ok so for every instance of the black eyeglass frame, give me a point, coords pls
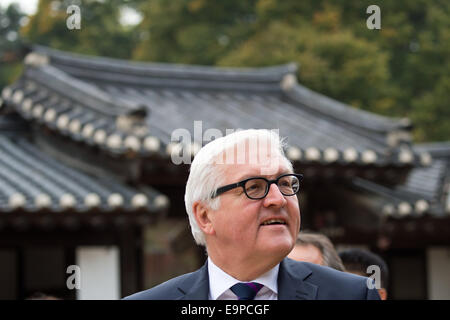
(242, 183)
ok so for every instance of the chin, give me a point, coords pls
(280, 248)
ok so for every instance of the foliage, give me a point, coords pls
(401, 70)
(197, 31)
(101, 32)
(337, 63)
(10, 43)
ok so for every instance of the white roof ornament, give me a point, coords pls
(114, 141)
(426, 159)
(38, 110)
(388, 210)
(88, 130)
(421, 206)
(92, 200)
(100, 136)
(294, 153)
(27, 104)
(369, 156)
(139, 200)
(174, 148)
(62, 122)
(312, 154)
(330, 155)
(115, 200)
(67, 201)
(16, 200)
(395, 138)
(350, 155)
(75, 126)
(194, 148)
(36, 59)
(42, 201)
(405, 121)
(405, 156)
(161, 201)
(289, 81)
(17, 97)
(50, 115)
(132, 143)
(404, 208)
(6, 93)
(151, 143)
(392, 139)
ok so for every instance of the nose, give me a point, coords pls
(274, 197)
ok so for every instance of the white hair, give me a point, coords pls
(206, 174)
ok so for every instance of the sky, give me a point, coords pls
(129, 16)
(27, 6)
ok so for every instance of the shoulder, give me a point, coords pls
(333, 284)
(168, 290)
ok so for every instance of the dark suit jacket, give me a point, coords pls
(296, 281)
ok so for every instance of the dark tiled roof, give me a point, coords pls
(122, 106)
(31, 180)
(426, 190)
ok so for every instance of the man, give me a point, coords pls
(242, 206)
(358, 261)
(316, 248)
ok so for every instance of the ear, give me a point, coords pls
(383, 293)
(202, 216)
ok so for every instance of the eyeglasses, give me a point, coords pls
(258, 188)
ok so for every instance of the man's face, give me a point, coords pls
(239, 232)
(307, 252)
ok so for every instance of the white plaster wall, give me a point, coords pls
(438, 273)
(100, 272)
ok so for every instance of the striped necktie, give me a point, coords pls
(246, 290)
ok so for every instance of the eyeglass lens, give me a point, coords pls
(257, 187)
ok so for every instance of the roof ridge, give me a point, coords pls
(438, 150)
(159, 69)
(340, 111)
(79, 90)
(393, 193)
(431, 146)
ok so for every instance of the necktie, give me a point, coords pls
(246, 290)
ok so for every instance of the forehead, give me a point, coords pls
(244, 160)
(307, 252)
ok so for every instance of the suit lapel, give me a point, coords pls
(291, 281)
(196, 285)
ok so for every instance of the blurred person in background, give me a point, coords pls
(357, 261)
(316, 248)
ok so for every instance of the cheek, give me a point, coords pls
(237, 222)
(294, 211)
(246, 221)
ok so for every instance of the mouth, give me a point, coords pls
(271, 222)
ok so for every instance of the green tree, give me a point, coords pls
(337, 63)
(428, 75)
(400, 70)
(11, 19)
(192, 31)
(101, 32)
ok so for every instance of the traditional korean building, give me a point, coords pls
(140, 123)
(54, 217)
(416, 228)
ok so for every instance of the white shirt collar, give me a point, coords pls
(220, 281)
